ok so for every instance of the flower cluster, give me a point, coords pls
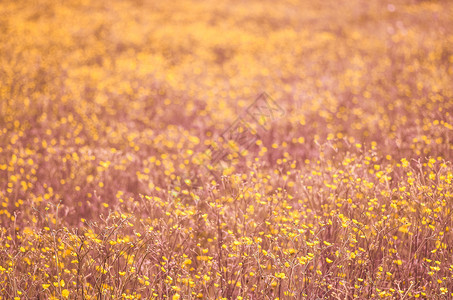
(107, 188)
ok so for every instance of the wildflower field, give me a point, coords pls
(226, 149)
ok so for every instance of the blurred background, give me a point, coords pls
(86, 84)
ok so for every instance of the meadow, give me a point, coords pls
(111, 113)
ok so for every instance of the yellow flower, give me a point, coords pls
(329, 260)
(65, 293)
(187, 262)
(405, 163)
